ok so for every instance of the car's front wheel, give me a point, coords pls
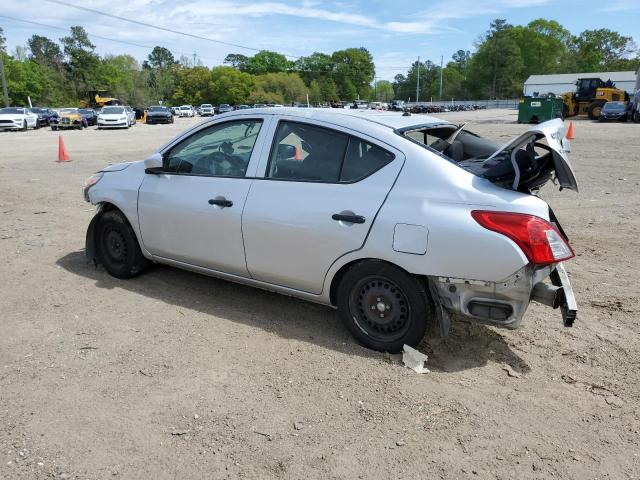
(117, 246)
(383, 306)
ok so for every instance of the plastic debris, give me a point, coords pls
(413, 359)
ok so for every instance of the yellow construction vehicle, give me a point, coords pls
(98, 99)
(590, 95)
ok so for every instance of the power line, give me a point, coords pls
(177, 32)
(89, 34)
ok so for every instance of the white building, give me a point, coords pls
(566, 82)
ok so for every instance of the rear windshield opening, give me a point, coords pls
(454, 142)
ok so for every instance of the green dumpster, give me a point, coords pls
(539, 109)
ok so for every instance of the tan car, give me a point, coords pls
(68, 118)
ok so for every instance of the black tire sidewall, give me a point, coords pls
(134, 262)
(414, 290)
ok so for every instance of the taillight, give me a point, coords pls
(540, 241)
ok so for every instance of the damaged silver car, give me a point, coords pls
(400, 222)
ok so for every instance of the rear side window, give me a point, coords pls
(362, 160)
(303, 152)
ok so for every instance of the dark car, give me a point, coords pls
(613, 111)
(139, 111)
(224, 108)
(44, 115)
(89, 115)
(159, 114)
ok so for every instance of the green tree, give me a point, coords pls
(600, 50)
(160, 58)
(495, 70)
(461, 60)
(543, 46)
(354, 72)
(228, 85)
(192, 86)
(237, 60)
(288, 86)
(266, 61)
(24, 79)
(383, 91)
(45, 52)
(81, 61)
(315, 66)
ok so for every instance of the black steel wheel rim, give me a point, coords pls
(115, 246)
(380, 308)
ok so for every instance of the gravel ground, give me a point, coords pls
(176, 375)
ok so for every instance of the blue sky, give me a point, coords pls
(394, 31)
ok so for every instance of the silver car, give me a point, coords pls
(400, 222)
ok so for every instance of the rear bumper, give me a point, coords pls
(504, 303)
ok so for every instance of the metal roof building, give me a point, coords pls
(566, 82)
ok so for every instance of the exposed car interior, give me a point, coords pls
(524, 167)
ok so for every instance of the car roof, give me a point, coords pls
(349, 117)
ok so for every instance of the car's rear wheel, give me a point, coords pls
(24, 126)
(383, 306)
(117, 246)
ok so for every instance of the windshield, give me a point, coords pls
(613, 106)
(113, 110)
(39, 110)
(86, 111)
(11, 110)
(157, 109)
(185, 108)
(205, 105)
(69, 110)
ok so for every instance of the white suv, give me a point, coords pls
(206, 110)
(186, 111)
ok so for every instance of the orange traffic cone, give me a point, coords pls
(298, 154)
(63, 156)
(569, 134)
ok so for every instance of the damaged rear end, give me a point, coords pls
(524, 165)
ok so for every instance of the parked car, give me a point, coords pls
(206, 110)
(68, 118)
(44, 115)
(224, 108)
(398, 105)
(159, 114)
(17, 118)
(186, 111)
(613, 111)
(139, 111)
(242, 107)
(89, 115)
(131, 115)
(396, 234)
(259, 105)
(113, 116)
(175, 110)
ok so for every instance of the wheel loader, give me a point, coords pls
(590, 95)
(98, 99)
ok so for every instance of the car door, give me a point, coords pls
(321, 190)
(190, 209)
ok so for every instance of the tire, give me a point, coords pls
(636, 116)
(594, 109)
(384, 307)
(25, 127)
(54, 128)
(117, 246)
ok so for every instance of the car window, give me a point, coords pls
(220, 150)
(306, 152)
(362, 159)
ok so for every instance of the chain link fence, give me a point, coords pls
(513, 104)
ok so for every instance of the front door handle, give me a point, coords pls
(221, 202)
(351, 218)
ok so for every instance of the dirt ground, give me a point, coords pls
(174, 375)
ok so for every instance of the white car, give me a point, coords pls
(113, 116)
(186, 111)
(17, 118)
(400, 222)
(131, 114)
(206, 110)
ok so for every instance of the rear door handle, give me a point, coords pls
(351, 218)
(221, 202)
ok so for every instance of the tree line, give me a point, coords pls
(60, 73)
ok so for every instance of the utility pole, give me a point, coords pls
(5, 95)
(418, 83)
(375, 89)
(441, 63)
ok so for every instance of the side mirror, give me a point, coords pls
(153, 162)
(286, 151)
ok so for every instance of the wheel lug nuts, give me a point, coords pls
(382, 315)
(373, 307)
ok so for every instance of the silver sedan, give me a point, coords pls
(400, 222)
